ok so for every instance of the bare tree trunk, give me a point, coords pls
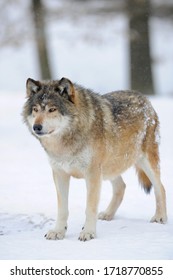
(40, 37)
(140, 60)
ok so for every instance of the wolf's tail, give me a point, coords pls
(144, 180)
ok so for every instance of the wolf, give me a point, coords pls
(95, 137)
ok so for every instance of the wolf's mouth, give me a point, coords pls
(44, 133)
(39, 133)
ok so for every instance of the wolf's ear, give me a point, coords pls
(66, 89)
(32, 86)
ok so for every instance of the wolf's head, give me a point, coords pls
(50, 106)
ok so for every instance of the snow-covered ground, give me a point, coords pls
(28, 200)
(27, 193)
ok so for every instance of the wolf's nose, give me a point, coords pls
(37, 128)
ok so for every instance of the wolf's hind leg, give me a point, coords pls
(151, 169)
(118, 189)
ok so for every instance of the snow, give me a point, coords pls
(27, 192)
(28, 200)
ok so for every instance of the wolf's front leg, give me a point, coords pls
(93, 183)
(61, 180)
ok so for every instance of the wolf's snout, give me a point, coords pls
(37, 128)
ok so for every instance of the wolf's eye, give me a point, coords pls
(51, 110)
(35, 109)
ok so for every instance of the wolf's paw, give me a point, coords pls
(55, 234)
(86, 235)
(105, 216)
(162, 219)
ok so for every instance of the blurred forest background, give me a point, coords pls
(91, 22)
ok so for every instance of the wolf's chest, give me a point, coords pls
(73, 164)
